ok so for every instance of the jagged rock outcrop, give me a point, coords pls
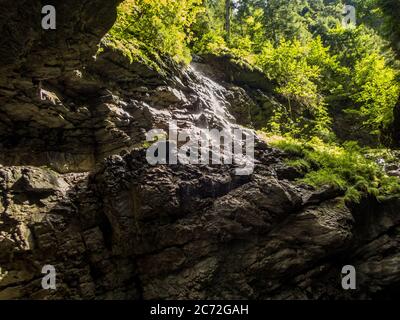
(38, 114)
(133, 231)
(77, 192)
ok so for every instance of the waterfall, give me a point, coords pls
(199, 115)
(212, 95)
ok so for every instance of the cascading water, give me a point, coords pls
(213, 96)
(205, 126)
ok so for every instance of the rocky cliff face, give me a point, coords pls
(77, 192)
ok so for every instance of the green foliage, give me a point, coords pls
(146, 28)
(211, 42)
(344, 167)
(366, 86)
(300, 19)
(301, 71)
(391, 17)
(320, 68)
(378, 92)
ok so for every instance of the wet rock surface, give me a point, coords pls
(77, 192)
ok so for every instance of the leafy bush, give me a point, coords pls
(145, 28)
(301, 71)
(344, 167)
(366, 88)
(379, 91)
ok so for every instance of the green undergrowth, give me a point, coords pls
(345, 167)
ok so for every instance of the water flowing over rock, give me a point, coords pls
(77, 192)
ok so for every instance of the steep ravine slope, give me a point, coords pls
(77, 192)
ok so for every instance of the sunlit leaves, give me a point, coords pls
(343, 167)
(159, 26)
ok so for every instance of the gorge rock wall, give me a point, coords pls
(76, 191)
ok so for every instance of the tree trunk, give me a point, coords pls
(394, 129)
(228, 8)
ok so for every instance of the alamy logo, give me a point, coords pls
(349, 278)
(49, 280)
(49, 20)
(202, 147)
(349, 16)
